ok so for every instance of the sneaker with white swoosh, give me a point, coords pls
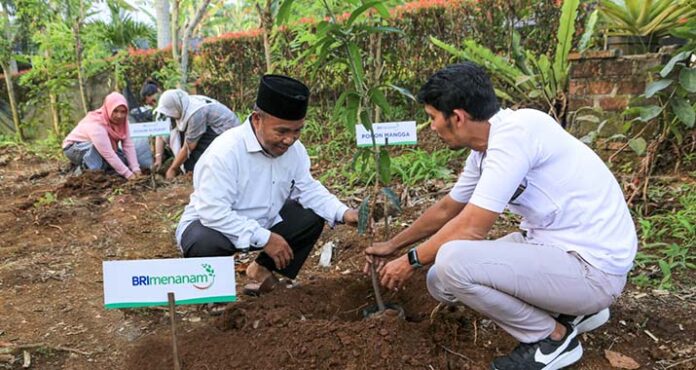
(586, 323)
(546, 354)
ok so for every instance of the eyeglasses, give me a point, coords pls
(520, 189)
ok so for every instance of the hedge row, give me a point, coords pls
(227, 67)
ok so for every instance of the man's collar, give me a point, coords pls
(500, 116)
(250, 140)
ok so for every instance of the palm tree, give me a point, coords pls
(122, 31)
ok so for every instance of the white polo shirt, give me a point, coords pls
(239, 190)
(570, 198)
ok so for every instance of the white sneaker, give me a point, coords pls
(586, 323)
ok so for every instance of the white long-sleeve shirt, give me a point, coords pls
(239, 190)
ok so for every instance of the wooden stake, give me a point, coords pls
(172, 313)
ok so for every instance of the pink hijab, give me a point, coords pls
(117, 131)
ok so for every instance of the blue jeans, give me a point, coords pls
(85, 155)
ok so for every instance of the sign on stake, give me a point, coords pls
(397, 133)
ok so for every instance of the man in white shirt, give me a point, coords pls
(253, 190)
(555, 279)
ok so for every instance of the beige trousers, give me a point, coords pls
(520, 286)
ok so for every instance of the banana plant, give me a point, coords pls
(524, 78)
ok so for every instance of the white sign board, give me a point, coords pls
(397, 133)
(147, 129)
(140, 283)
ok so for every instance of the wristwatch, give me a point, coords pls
(413, 258)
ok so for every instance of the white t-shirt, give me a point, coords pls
(564, 192)
(239, 190)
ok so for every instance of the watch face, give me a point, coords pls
(413, 258)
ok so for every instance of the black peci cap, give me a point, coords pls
(283, 97)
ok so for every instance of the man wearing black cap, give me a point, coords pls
(253, 190)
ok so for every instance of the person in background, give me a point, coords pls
(150, 92)
(102, 141)
(198, 121)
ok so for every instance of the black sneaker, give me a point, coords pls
(546, 354)
(583, 324)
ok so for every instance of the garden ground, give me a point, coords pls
(57, 229)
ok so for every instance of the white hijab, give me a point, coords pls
(181, 106)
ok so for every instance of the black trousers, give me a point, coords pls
(300, 227)
(203, 143)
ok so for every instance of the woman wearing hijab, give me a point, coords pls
(94, 143)
(199, 120)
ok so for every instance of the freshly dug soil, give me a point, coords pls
(57, 229)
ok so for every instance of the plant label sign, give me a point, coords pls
(147, 129)
(141, 283)
(397, 133)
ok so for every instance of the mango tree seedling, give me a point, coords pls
(336, 44)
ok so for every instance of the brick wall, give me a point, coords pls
(606, 80)
(602, 84)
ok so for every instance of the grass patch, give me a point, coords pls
(667, 238)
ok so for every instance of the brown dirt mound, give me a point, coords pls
(89, 182)
(317, 326)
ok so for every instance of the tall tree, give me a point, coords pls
(195, 12)
(188, 32)
(164, 37)
(75, 16)
(6, 60)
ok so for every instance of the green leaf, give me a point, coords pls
(665, 268)
(284, 12)
(377, 97)
(589, 31)
(382, 29)
(683, 110)
(403, 91)
(687, 78)
(356, 63)
(645, 113)
(522, 79)
(384, 166)
(356, 157)
(382, 10)
(358, 12)
(655, 87)
(392, 198)
(672, 62)
(363, 214)
(351, 114)
(566, 29)
(366, 121)
(638, 145)
(447, 47)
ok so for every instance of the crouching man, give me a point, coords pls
(558, 277)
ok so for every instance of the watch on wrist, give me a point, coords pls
(413, 258)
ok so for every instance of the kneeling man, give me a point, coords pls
(252, 189)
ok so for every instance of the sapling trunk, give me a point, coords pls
(375, 191)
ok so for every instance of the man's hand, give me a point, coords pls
(377, 254)
(350, 217)
(171, 173)
(279, 250)
(395, 273)
(158, 163)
